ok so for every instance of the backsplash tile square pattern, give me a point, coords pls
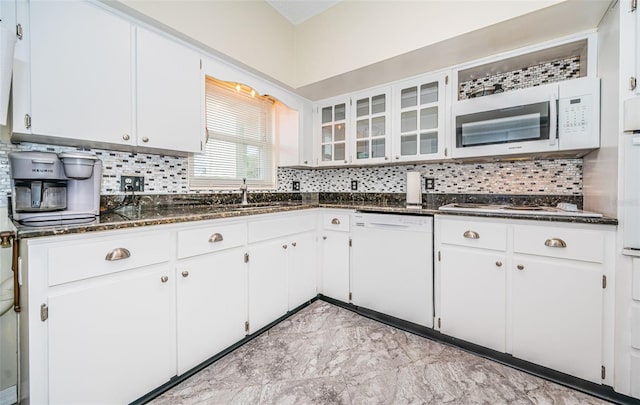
(555, 71)
(168, 175)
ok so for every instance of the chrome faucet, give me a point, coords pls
(243, 188)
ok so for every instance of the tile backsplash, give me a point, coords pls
(168, 175)
(561, 176)
(549, 72)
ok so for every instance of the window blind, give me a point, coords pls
(240, 145)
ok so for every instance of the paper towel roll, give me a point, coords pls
(414, 189)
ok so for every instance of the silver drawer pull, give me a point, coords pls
(185, 274)
(499, 263)
(216, 237)
(164, 279)
(520, 267)
(117, 254)
(335, 221)
(555, 242)
(471, 235)
(294, 244)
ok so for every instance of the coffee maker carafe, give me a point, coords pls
(48, 188)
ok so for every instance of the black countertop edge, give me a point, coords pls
(149, 217)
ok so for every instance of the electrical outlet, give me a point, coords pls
(131, 183)
(296, 185)
(354, 185)
(429, 183)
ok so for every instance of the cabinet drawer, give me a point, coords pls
(336, 222)
(282, 225)
(474, 234)
(79, 260)
(566, 243)
(212, 238)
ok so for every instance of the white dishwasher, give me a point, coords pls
(392, 265)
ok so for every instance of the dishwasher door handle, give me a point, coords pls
(383, 225)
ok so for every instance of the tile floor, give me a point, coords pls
(325, 354)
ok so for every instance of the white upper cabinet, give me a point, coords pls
(332, 119)
(371, 124)
(170, 94)
(79, 71)
(419, 119)
(85, 76)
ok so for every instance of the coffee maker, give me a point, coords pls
(50, 189)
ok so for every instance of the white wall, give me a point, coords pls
(251, 32)
(354, 34)
(348, 36)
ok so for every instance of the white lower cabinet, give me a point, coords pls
(473, 295)
(268, 298)
(111, 339)
(212, 298)
(280, 250)
(557, 315)
(301, 269)
(334, 246)
(538, 292)
(334, 251)
(110, 316)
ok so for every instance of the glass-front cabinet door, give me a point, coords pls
(419, 119)
(370, 114)
(332, 122)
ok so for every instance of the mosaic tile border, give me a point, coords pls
(549, 72)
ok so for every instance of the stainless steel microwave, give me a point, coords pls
(562, 116)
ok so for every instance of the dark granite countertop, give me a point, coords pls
(140, 216)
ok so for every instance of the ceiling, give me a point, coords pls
(298, 11)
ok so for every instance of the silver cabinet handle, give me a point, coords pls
(126, 137)
(324, 238)
(185, 274)
(294, 244)
(216, 237)
(117, 254)
(335, 221)
(145, 139)
(555, 242)
(164, 279)
(397, 157)
(284, 246)
(499, 263)
(520, 267)
(471, 235)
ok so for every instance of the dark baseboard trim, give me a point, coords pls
(600, 391)
(182, 377)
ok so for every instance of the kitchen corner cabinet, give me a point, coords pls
(277, 280)
(335, 255)
(535, 291)
(419, 119)
(76, 77)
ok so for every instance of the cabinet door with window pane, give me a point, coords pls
(371, 121)
(419, 119)
(332, 119)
